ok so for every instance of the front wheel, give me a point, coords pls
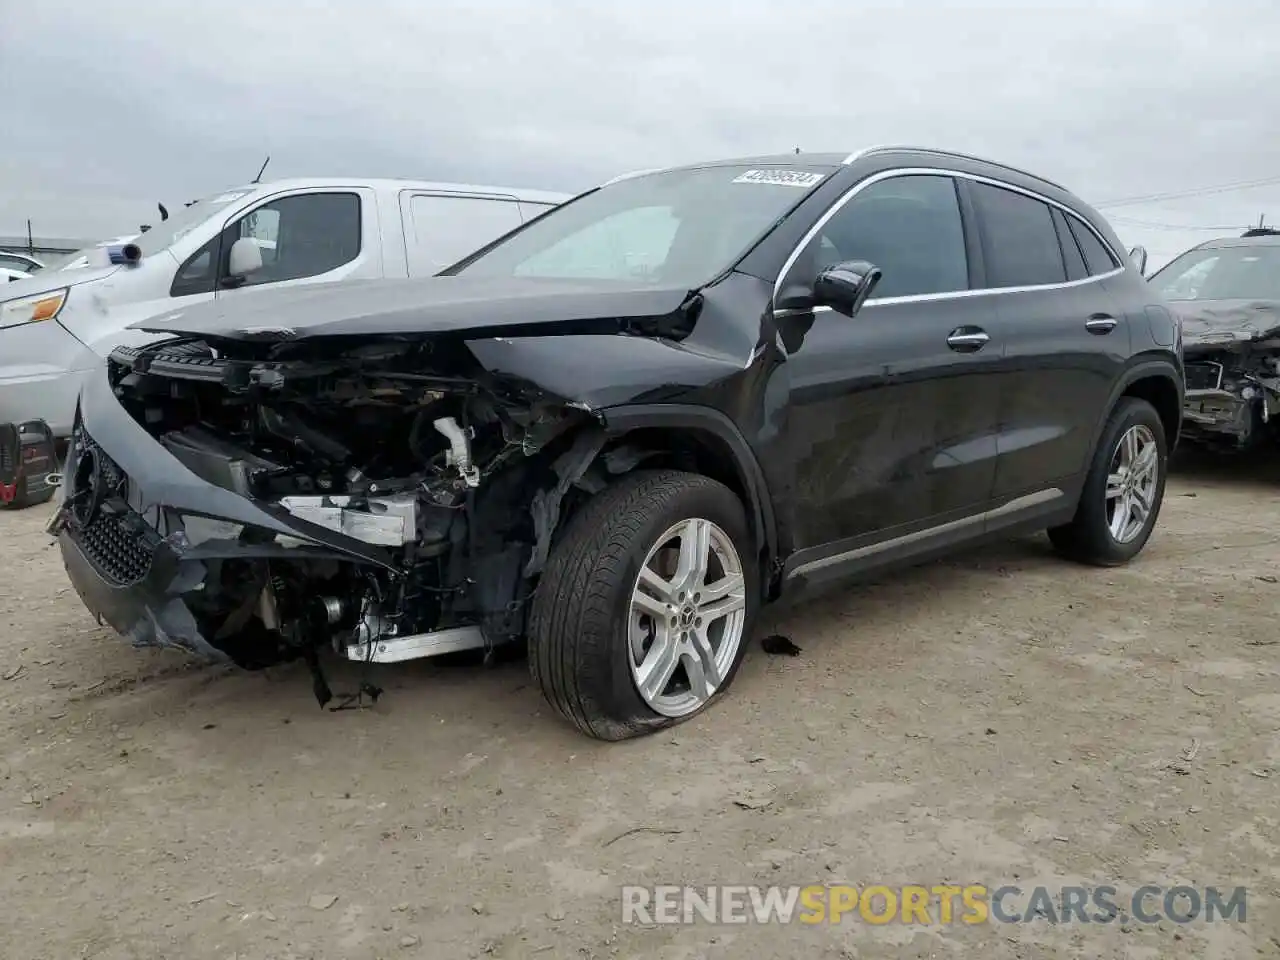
(1123, 490)
(641, 615)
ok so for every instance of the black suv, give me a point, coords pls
(1226, 292)
(622, 428)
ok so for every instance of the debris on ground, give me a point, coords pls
(1182, 766)
(322, 901)
(12, 674)
(777, 645)
(664, 831)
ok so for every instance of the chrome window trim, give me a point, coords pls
(955, 294)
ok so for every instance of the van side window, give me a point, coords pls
(300, 236)
(908, 226)
(442, 230)
(1019, 244)
(1096, 255)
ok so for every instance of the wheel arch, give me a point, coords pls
(1159, 383)
(718, 449)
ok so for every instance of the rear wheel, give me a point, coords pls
(642, 613)
(1123, 490)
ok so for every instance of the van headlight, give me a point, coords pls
(42, 306)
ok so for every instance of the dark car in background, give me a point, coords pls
(1227, 295)
(621, 429)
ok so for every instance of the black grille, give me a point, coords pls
(1204, 376)
(116, 538)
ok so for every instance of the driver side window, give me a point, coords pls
(908, 226)
(299, 236)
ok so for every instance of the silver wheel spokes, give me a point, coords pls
(1131, 483)
(688, 610)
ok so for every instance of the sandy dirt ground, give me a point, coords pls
(999, 718)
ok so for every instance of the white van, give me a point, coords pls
(56, 325)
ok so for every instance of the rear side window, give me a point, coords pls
(1019, 242)
(442, 230)
(1096, 256)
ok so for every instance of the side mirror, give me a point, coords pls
(1138, 257)
(844, 287)
(245, 258)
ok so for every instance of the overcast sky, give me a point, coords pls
(107, 109)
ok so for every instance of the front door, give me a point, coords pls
(893, 413)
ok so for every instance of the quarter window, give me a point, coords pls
(909, 227)
(1020, 246)
(1096, 256)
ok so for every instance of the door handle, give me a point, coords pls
(967, 339)
(1100, 323)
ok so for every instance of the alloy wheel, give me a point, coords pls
(687, 615)
(1132, 481)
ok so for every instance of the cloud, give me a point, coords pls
(118, 109)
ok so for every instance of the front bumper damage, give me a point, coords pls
(1227, 405)
(142, 538)
(1232, 361)
(138, 538)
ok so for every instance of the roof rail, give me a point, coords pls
(953, 154)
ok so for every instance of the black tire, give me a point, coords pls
(1087, 538)
(579, 653)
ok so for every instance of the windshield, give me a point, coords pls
(1222, 273)
(677, 228)
(183, 220)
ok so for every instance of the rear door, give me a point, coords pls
(1065, 342)
(442, 228)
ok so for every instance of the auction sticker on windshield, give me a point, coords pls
(780, 178)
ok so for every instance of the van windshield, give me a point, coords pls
(676, 228)
(183, 220)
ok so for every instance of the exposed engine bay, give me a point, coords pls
(1232, 358)
(424, 501)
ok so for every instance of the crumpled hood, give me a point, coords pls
(1225, 322)
(460, 305)
(47, 280)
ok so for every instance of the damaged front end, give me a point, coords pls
(255, 502)
(1232, 358)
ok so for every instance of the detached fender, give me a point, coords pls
(1151, 367)
(697, 419)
